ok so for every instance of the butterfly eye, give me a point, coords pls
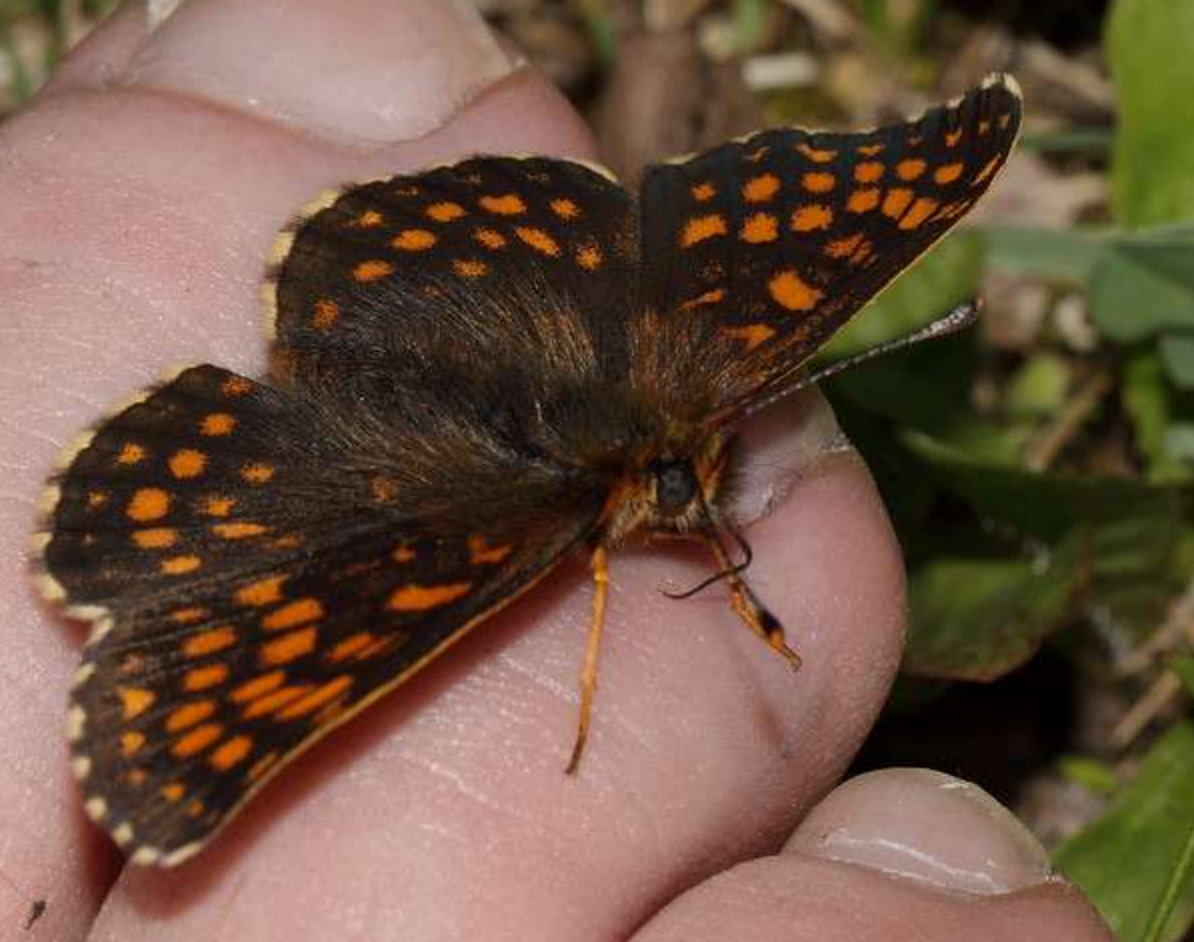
(675, 486)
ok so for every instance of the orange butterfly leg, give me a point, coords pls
(750, 609)
(588, 677)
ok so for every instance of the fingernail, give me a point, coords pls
(777, 447)
(928, 827)
(370, 71)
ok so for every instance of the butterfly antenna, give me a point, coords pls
(959, 318)
(729, 572)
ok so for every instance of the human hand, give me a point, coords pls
(141, 193)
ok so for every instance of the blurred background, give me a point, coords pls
(1039, 467)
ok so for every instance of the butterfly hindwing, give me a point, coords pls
(237, 618)
(760, 249)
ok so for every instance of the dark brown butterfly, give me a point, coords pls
(476, 371)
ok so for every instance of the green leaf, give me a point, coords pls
(1063, 255)
(1149, 402)
(1149, 45)
(977, 619)
(1033, 551)
(1143, 285)
(1149, 824)
(1177, 353)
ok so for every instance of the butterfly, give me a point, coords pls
(476, 371)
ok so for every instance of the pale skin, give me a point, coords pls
(139, 196)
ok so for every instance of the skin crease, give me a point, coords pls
(135, 220)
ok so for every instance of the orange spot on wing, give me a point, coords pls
(216, 424)
(173, 792)
(481, 552)
(565, 208)
(987, 170)
(816, 154)
(589, 257)
(209, 642)
(327, 312)
(952, 137)
(262, 706)
(703, 192)
(761, 227)
(316, 698)
(508, 205)
(490, 238)
(188, 616)
(948, 173)
(258, 687)
(403, 554)
(257, 473)
(761, 188)
(230, 753)
(370, 219)
(187, 463)
(298, 612)
(818, 182)
(155, 538)
(445, 211)
(869, 150)
(288, 647)
(351, 645)
(701, 228)
(200, 678)
(921, 210)
(752, 335)
(134, 701)
(792, 292)
(188, 715)
(217, 506)
(96, 499)
(539, 240)
(262, 592)
(131, 453)
(841, 248)
(372, 270)
(863, 201)
(910, 169)
(709, 297)
(469, 268)
(148, 503)
(419, 598)
(414, 240)
(235, 386)
(239, 530)
(196, 741)
(131, 743)
(812, 216)
(896, 201)
(180, 565)
(869, 171)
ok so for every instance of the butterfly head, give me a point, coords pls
(671, 491)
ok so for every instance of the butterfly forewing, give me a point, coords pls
(487, 252)
(236, 620)
(758, 250)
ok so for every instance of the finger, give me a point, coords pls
(903, 853)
